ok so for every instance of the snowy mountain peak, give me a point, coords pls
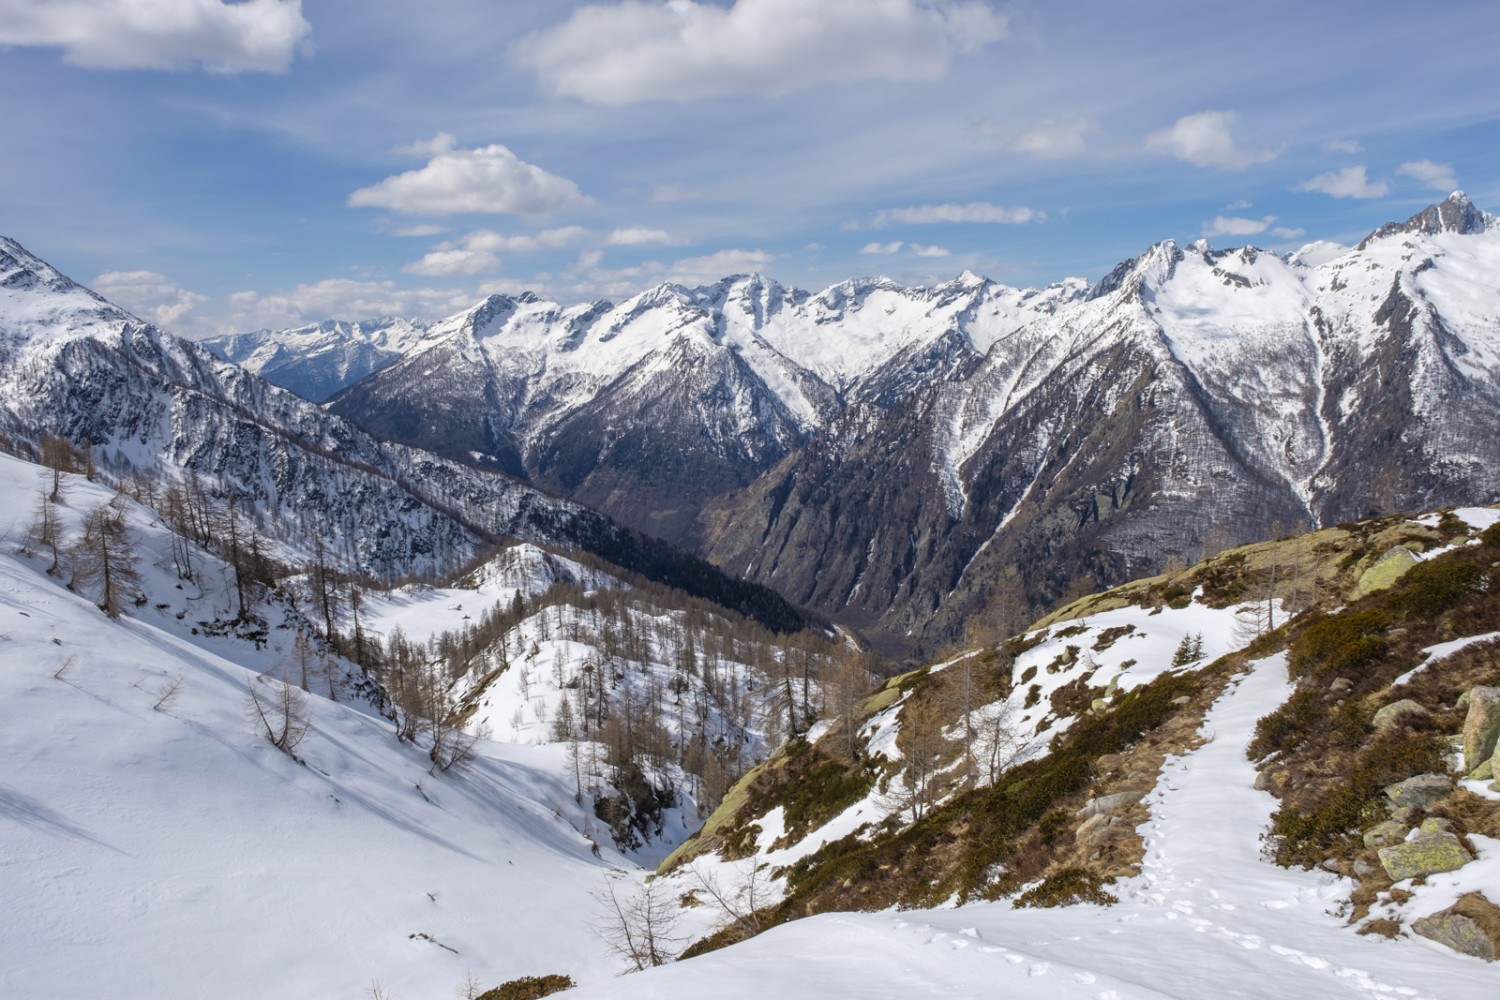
(1454, 214)
(37, 300)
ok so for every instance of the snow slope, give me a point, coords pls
(1207, 917)
(161, 848)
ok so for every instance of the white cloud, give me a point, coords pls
(489, 241)
(1236, 226)
(1053, 139)
(339, 298)
(1437, 176)
(1206, 139)
(454, 263)
(684, 50)
(149, 295)
(638, 236)
(977, 211)
(1288, 233)
(417, 231)
(262, 35)
(882, 248)
(1350, 182)
(721, 264)
(490, 179)
(1343, 146)
(929, 251)
(478, 252)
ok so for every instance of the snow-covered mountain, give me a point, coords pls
(318, 360)
(648, 408)
(74, 365)
(883, 453)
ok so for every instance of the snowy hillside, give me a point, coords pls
(1206, 917)
(149, 826)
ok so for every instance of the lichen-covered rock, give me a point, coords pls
(1383, 575)
(1424, 854)
(1481, 726)
(1471, 926)
(1397, 712)
(1419, 792)
(1383, 834)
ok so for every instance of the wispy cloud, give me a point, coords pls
(930, 251)
(1236, 226)
(711, 267)
(487, 180)
(1050, 139)
(638, 236)
(685, 50)
(252, 35)
(1343, 146)
(1206, 139)
(1351, 182)
(882, 248)
(339, 298)
(975, 211)
(1437, 176)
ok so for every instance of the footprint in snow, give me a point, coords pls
(1039, 969)
(1275, 904)
(1086, 978)
(1014, 959)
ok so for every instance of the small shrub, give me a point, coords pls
(1430, 588)
(1323, 639)
(529, 988)
(1069, 886)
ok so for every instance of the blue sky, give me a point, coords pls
(229, 166)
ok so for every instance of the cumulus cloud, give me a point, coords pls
(1288, 233)
(684, 50)
(1050, 139)
(1206, 139)
(882, 248)
(249, 35)
(417, 231)
(977, 211)
(1437, 176)
(1350, 182)
(490, 180)
(929, 251)
(149, 295)
(638, 236)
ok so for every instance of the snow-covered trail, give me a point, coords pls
(1207, 917)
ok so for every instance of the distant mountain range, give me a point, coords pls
(903, 458)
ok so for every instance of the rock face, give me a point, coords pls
(1427, 853)
(1471, 927)
(1392, 714)
(1107, 804)
(1383, 575)
(1481, 727)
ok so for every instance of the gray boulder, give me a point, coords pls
(1393, 714)
(1471, 926)
(1481, 726)
(1425, 854)
(1419, 792)
(1105, 804)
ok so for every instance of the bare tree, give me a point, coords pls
(741, 906)
(279, 711)
(639, 920)
(104, 558)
